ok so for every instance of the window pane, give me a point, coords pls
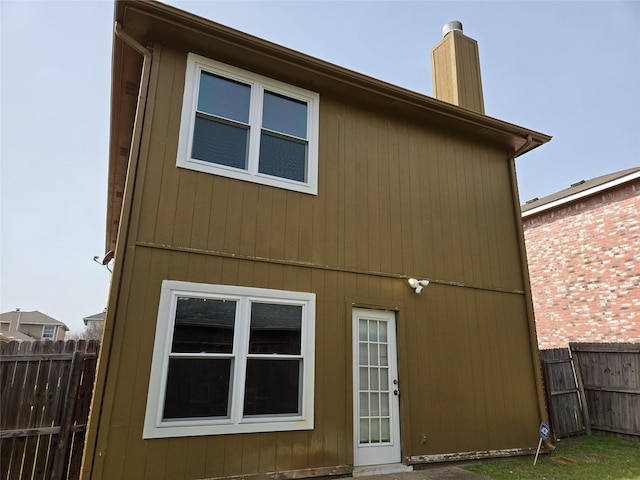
(362, 330)
(275, 328)
(383, 331)
(373, 331)
(373, 354)
(375, 404)
(220, 143)
(364, 378)
(384, 358)
(224, 98)
(272, 387)
(364, 404)
(197, 388)
(284, 115)
(203, 325)
(384, 379)
(282, 158)
(375, 430)
(386, 430)
(364, 354)
(384, 404)
(364, 430)
(373, 375)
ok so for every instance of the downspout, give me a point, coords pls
(533, 338)
(129, 40)
(106, 350)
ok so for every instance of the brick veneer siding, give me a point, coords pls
(584, 264)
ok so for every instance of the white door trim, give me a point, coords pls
(376, 424)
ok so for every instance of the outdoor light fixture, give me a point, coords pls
(418, 285)
(105, 261)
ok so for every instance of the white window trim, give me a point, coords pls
(197, 64)
(156, 427)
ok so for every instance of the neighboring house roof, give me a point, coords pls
(30, 318)
(578, 190)
(98, 317)
(15, 336)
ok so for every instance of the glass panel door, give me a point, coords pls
(374, 382)
(376, 404)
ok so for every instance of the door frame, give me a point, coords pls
(387, 452)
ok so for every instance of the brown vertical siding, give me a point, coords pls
(390, 193)
(461, 376)
(129, 456)
(395, 199)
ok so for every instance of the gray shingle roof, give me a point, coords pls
(579, 187)
(97, 317)
(15, 336)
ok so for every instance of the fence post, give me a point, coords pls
(62, 446)
(548, 394)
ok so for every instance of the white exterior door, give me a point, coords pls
(376, 403)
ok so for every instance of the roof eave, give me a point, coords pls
(573, 197)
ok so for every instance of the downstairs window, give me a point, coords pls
(231, 360)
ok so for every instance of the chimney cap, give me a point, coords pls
(451, 26)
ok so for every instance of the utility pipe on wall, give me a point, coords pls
(535, 356)
(92, 447)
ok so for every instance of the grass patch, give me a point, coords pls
(584, 458)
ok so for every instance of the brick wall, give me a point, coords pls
(584, 263)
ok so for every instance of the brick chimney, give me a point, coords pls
(14, 325)
(455, 65)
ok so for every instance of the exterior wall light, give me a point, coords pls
(418, 285)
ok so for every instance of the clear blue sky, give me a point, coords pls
(568, 69)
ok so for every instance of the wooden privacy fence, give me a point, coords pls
(593, 386)
(610, 377)
(45, 394)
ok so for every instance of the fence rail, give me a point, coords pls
(45, 394)
(593, 386)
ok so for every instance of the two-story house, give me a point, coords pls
(315, 271)
(21, 326)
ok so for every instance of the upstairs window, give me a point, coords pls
(241, 125)
(48, 332)
(231, 360)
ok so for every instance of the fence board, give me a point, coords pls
(41, 386)
(83, 404)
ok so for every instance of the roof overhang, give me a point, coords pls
(591, 188)
(148, 21)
